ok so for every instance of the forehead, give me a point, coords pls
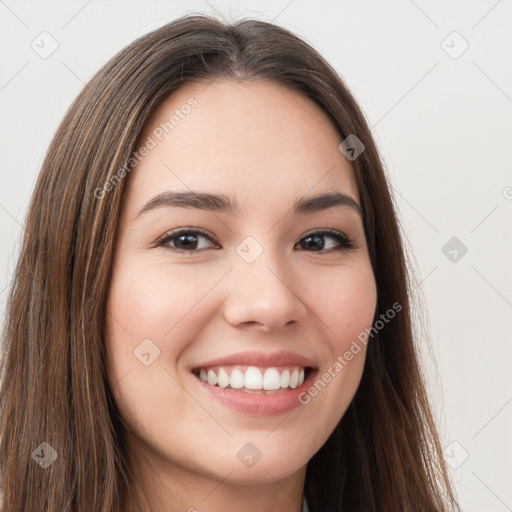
(252, 140)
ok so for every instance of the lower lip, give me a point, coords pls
(258, 404)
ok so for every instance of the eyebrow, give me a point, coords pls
(223, 204)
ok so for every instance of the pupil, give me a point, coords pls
(319, 246)
(190, 240)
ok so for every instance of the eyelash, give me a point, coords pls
(346, 244)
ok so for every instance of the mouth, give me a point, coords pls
(255, 383)
(254, 379)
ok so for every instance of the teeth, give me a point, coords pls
(301, 377)
(285, 379)
(212, 378)
(223, 378)
(294, 378)
(236, 380)
(253, 380)
(271, 379)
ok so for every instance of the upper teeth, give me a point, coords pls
(271, 379)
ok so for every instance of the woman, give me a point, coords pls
(211, 306)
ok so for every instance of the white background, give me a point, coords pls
(443, 126)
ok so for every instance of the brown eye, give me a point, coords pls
(316, 241)
(184, 240)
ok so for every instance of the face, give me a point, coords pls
(218, 334)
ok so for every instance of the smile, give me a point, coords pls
(256, 383)
(254, 379)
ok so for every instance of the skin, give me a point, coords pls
(266, 146)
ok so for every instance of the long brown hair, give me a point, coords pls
(385, 453)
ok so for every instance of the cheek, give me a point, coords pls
(151, 309)
(148, 301)
(345, 301)
(143, 313)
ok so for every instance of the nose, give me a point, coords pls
(262, 293)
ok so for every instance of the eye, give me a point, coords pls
(187, 240)
(315, 240)
(184, 239)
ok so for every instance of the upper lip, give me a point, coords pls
(281, 358)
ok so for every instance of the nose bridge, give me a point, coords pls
(263, 288)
